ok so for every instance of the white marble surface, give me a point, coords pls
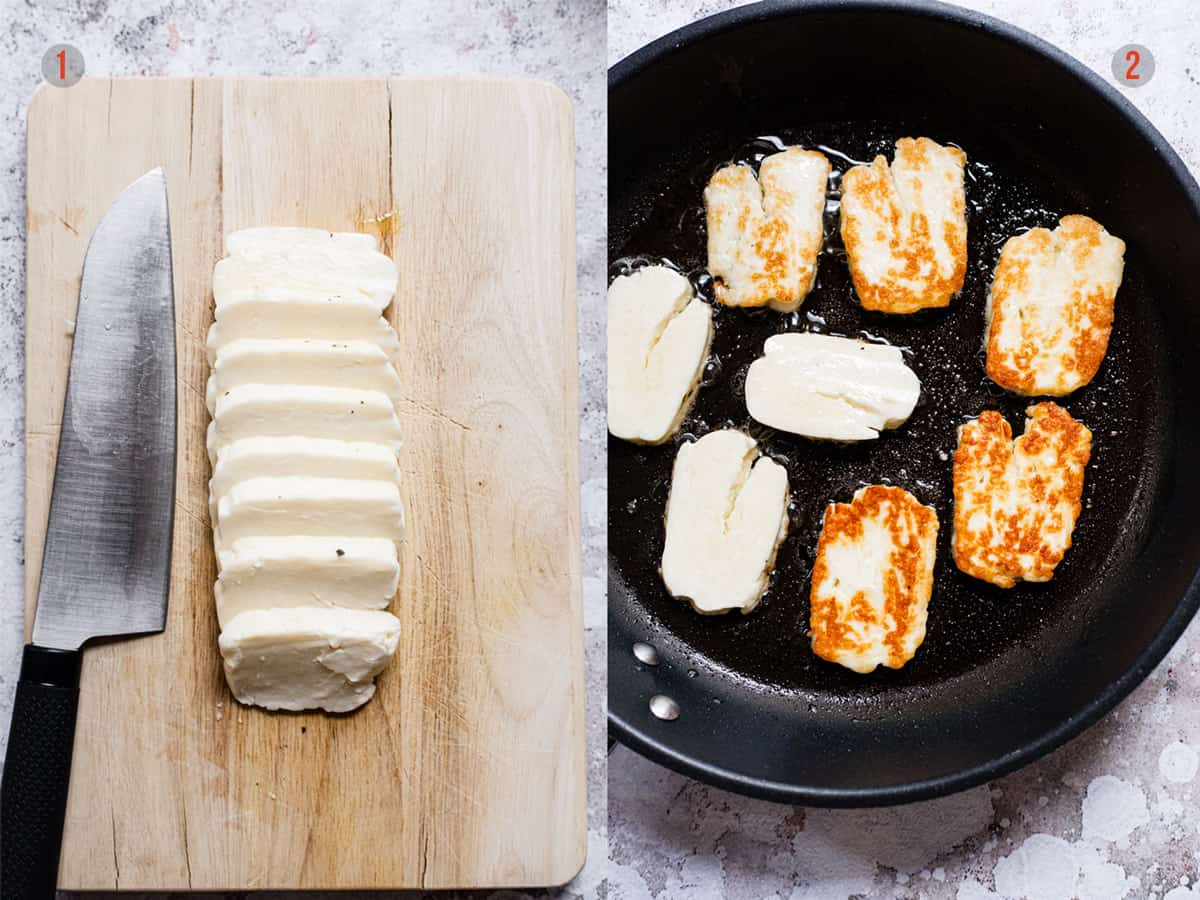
(1111, 815)
(561, 41)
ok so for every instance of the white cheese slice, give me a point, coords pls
(290, 239)
(830, 388)
(280, 283)
(276, 572)
(726, 517)
(329, 507)
(261, 457)
(266, 410)
(307, 657)
(300, 319)
(269, 268)
(658, 339)
(360, 365)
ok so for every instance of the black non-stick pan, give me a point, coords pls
(1003, 676)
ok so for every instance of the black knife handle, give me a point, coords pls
(37, 770)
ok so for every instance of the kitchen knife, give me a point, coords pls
(107, 556)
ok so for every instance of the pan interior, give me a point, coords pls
(999, 670)
(971, 623)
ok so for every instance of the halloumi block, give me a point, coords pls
(1016, 502)
(830, 388)
(726, 517)
(904, 227)
(264, 457)
(304, 496)
(314, 507)
(280, 572)
(277, 410)
(307, 657)
(361, 365)
(659, 333)
(765, 232)
(872, 579)
(1050, 307)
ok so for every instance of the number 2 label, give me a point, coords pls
(1133, 66)
(1133, 58)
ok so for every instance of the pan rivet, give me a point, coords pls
(645, 653)
(663, 707)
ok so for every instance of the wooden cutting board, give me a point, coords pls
(467, 769)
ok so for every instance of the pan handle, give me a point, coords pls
(37, 771)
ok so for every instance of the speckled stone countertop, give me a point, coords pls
(555, 40)
(1111, 815)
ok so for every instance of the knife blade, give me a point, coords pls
(106, 566)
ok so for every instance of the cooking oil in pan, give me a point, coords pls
(971, 624)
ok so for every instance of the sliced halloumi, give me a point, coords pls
(872, 579)
(1050, 307)
(290, 239)
(830, 388)
(268, 267)
(300, 320)
(262, 457)
(277, 572)
(658, 339)
(764, 233)
(304, 496)
(345, 364)
(313, 507)
(266, 410)
(307, 658)
(289, 456)
(726, 517)
(1016, 502)
(904, 227)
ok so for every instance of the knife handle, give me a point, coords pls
(37, 770)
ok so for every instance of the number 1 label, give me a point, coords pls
(62, 65)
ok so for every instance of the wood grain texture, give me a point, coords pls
(467, 769)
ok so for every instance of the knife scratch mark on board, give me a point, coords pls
(181, 325)
(194, 390)
(431, 572)
(67, 225)
(199, 520)
(70, 215)
(435, 413)
(116, 865)
(187, 854)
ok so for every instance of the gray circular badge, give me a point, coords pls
(1133, 65)
(62, 66)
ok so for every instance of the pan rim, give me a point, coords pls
(636, 738)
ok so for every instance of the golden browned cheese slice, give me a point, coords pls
(1016, 502)
(872, 579)
(764, 233)
(905, 227)
(1050, 307)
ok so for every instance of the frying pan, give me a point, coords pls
(1003, 676)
